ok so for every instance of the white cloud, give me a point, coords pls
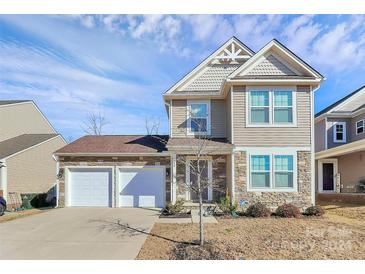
(338, 48)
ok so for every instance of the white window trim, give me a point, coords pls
(188, 107)
(271, 91)
(272, 153)
(363, 126)
(344, 135)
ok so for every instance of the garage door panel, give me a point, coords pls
(90, 187)
(142, 187)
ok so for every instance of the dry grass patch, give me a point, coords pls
(249, 238)
(9, 216)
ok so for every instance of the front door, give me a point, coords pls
(328, 177)
(192, 176)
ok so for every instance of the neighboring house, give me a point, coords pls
(340, 145)
(27, 143)
(255, 108)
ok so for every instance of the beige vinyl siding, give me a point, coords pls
(228, 117)
(320, 135)
(33, 170)
(218, 118)
(272, 136)
(351, 169)
(20, 119)
(178, 118)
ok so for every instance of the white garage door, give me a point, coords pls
(90, 187)
(142, 187)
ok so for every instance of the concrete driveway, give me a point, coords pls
(77, 233)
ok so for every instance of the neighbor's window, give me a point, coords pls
(283, 169)
(283, 107)
(260, 171)
(199, 115)
(260, 107)
(339, 132)
(359, 126)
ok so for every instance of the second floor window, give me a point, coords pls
(339, 132)
(283, 107)
(271, 107)
(198, 117)
(360, 127)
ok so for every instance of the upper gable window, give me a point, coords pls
(339, 132)
(360, 127)
(199, 117)
(271, 107)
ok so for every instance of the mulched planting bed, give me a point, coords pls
(258, 238)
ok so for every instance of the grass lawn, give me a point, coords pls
(339, 234)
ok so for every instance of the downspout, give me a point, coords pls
(3, 179)
(57, 180)
(313, 171)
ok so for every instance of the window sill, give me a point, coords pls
(271, 190)
(272, 125)
(339, 142)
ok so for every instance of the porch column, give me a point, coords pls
(173, 178)
(3, 180)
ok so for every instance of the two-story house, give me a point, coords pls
(340, 145)
(27, 143)
(255, 113)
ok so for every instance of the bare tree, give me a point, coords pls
(200, 153)
(152, 126)
(94, 124)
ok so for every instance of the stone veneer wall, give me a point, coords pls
(112, 161)
(301, 199)
(219, 174)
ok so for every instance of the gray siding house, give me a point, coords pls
(255, 112)
(340, 145)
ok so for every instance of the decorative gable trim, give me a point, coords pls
(274, 44)
(234, 54)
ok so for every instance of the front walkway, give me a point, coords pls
(77, 233)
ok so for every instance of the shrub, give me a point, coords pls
(226, 206)
(314, 211)
(288, 211)
(172, 209)
(258, 210)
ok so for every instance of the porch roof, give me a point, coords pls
(341, 150)
(211, 145)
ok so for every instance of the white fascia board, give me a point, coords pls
(342, 150)
(264, 50)
(206, 61)
(112, 154)
(274, 81)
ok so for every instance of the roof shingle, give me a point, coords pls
(22, 142)
(116, 144)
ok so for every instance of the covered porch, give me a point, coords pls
(341, 169)
(211, 159)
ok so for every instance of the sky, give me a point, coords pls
(120, 65)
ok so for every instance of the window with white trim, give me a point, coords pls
(259, 107)
(260, 171)
(283, 171)
(360, 127)
(272, 172)
(339, 132)
(271, 107)
(283, 107)
(198, 117)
